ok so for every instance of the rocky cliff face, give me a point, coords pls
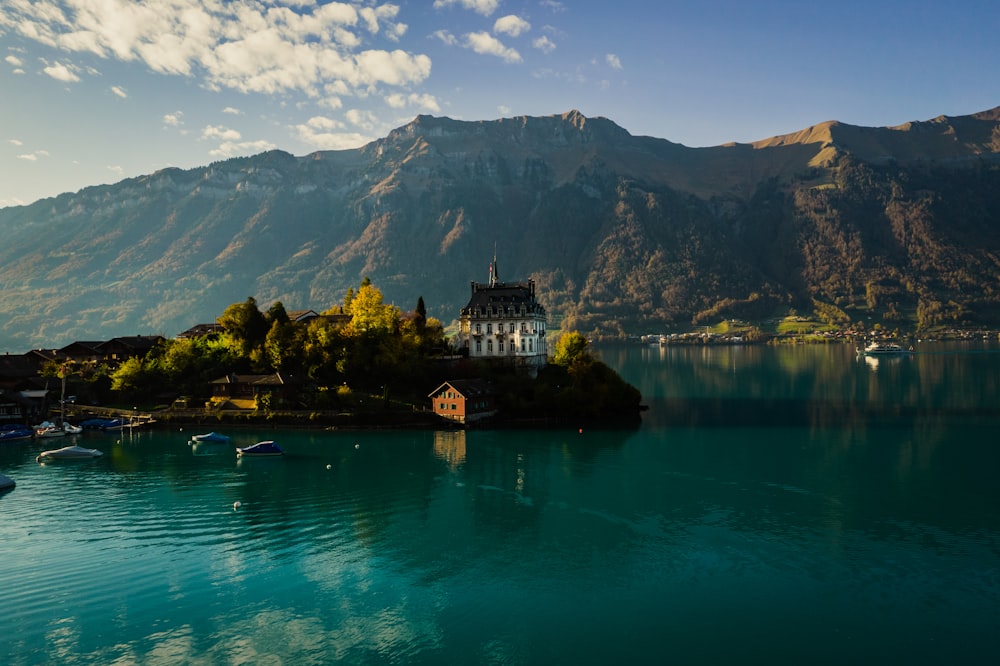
(621, 233)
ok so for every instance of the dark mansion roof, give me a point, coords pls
(502, 298)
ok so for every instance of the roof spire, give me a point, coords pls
(494, 272)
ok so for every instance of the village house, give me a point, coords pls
(244, 391)
(464, 400)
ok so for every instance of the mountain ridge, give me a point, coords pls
(619, 231)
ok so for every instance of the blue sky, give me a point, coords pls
(94, 91)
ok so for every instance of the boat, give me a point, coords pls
(883, 348)
(14, 432)
(210, 438)
(266, 448)
(6, 483)
(47, 429)
(68, 453)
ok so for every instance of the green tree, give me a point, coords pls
(245, 325)
(571, 349)
(276, 313)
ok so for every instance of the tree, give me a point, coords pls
(369, 314)
(571, 349)
(276, 313)
(421, 314)
(245, 325)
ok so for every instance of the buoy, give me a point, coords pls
(329, 466)
(581, 431)
(237, 504)
(357, 446)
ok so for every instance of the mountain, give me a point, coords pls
(622, 233)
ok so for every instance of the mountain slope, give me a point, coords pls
(621, 233)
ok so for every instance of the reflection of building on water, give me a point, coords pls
(449, 446)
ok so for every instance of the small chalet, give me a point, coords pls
(464, 400)
(200, 331)
(243, 389)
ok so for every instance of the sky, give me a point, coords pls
(96, 91)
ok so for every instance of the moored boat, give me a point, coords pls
(210, 438)
(14, 432)
(68, 453)
(6, 483)
(261, 449)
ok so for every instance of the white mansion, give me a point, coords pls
(504, 322)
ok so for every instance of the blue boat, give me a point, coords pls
(13, 432)
(261, 449)
(211, 438)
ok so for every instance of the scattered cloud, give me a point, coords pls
(511, 25)
(613, 60)
(486, 44)
(14, 61)
(231, 111)
(504, 110)
(234, 148)
(117, 171)
(322, 132)
(61, 72)
(119, 91)
(249, 46)
(366, 120)
(175, 119)
(15, 142)
(220, 133)
(445, 37)
(484, 7)
(544, 44)
(32, 157)
(421, 102)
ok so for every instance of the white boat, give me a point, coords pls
(47, 429)
(883, 348)
(68, 453)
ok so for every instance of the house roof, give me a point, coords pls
(134, 342)
(503, 295)
(274, 379)
(467, 388)
(199, 330)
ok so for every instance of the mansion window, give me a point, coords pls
(511, 327)
(489, 328)
(479, 328)
(489, 346)
(500, 346)
(479, 346)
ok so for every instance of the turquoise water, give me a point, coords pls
(792, 505)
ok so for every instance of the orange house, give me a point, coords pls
(464, 400)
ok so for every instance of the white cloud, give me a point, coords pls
(117, 171)
(30, 157)
(613, 60)
(322, 133)
(233, 148)
(61, 72)
(486, 44)
(544, 44)
(119, 91)
(366, 120)
(219, 132)
(254, 46)
(504, 110)
(446, 37)
(231, 111)
(422, 102)
(14, 61)
(484, 7)
(15, 142)
(175, 119)
(511, 25)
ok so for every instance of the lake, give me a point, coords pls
(777, 505)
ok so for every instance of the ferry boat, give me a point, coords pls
(883, 348)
